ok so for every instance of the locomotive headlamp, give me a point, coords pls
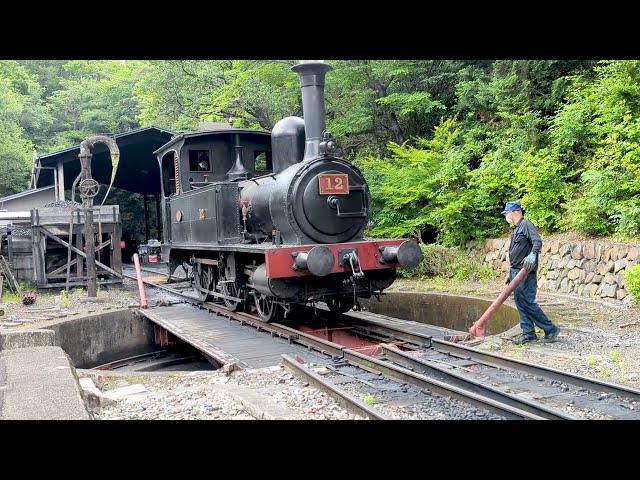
(327, 145)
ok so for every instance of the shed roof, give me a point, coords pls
(138, 169)
(222, 131)
(24, 194)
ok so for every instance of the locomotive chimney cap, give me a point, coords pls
(313, 67)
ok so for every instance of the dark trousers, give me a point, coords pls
(530, 311)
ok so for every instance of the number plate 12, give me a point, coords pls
(333, 184)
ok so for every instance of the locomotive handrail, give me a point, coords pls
(335, 201)
(361, 213)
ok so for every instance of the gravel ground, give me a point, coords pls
(600, 339)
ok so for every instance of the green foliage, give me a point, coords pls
(255, 93)
(442, 143)
(541, 188)
(632, 279)
(78, 292)
(369, 399)
(65, 302)
(15, 149)
(8, 295)
(95, 98)
(26, 285)
(599, 129)
(15, 153)
(419, 186)
(452, 263)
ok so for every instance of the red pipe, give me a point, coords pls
(478, 328)
(143, 296)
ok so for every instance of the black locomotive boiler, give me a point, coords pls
(268, 220)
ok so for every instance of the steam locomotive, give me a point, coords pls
(264, 221)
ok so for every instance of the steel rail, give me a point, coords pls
(405, 375)
(490, 359)
(349, 402)
(452, 378)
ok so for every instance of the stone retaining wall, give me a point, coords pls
(588, 268)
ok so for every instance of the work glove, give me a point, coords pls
(530, 261)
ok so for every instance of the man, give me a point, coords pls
(523, 253)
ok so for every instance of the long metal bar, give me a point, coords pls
(487, 358)
(143, 296)
(350, 402)
(452, 378)
(441, 388)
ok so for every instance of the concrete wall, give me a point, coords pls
(101, 338)
(586, 268)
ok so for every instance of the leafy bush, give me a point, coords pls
(632, 277)
(452, 263)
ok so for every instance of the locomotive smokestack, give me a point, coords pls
(312, 74)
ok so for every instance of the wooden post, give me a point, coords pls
(60, 185)
(79, 246)
(116, 256)
(91, 252)
(37, 245)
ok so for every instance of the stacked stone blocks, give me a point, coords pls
(586, 268)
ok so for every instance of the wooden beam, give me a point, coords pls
(79, 252)
(38, 256)
(63, 267)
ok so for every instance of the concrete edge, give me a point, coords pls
(25, 338)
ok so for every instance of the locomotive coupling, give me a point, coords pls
(407, 254)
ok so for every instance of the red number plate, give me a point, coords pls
(333, 184)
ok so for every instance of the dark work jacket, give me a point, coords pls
(524, 239)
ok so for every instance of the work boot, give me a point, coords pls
(522, 339)
(550, 337)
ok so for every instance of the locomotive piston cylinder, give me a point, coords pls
(407, 254)
(278, 287)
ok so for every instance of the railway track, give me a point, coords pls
(147, 362)
(430, 375)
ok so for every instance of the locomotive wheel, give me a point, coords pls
(203, 277)
(339, 305)
(231, 289)
(265, 306)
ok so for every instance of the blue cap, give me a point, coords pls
(511, 207)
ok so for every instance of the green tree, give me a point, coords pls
(598, 130)
(257, 94)
(16, 150)
(95, 98)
